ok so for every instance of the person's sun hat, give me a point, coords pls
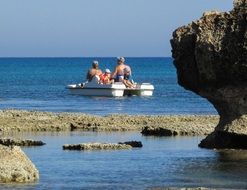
(107, 71)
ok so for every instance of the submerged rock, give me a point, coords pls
(135, 144)
(15, 166)
(210, 55)
(96, 146)
(20, 142)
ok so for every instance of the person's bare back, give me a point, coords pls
(118, 74)
(94, 71)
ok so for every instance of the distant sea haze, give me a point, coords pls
(39, 84)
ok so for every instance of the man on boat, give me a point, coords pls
(118, 74)
(94, 72)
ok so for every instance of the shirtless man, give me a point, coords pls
(118, 74)
(94, 71)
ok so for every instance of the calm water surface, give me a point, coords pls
(162, 162)
(39, 84)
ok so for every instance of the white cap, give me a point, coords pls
(107, 71)
(95, 62)
(121, 59)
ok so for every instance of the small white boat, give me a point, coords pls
(113, 90)
(95, 89)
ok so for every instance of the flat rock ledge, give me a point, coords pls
(15, 166)
(20, 142)
(12, 121)
(96, 146)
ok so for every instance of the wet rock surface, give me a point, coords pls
(96, 146)
(20, 142)
(15, 166)
(134, 144)
(150, 131)
(210, 55)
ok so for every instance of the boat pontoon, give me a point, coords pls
(114, 90)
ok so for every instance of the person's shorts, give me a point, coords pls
(119, 78)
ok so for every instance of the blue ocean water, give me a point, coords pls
(39, 84)
(161, 162)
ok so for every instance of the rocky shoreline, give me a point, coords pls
(17, 121)
(28, 121)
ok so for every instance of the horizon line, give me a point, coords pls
(17, 57)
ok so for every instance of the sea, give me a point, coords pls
(40, 84)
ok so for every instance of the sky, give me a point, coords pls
(96, 28)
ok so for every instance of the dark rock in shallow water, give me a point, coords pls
(211, 60)
(150, 131)
(96, 146)
(135, 144)
(222, 140)
(19, 142)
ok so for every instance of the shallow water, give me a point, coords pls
(162, 162)
(39, 84)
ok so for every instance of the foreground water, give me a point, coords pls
(162, 162)
(39, 84)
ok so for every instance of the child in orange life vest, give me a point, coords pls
(105, 78)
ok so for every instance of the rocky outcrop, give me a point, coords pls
(20, 142)
(134, 144)
(96, 146)
(15, 167)
(210, 55)
(184, 126)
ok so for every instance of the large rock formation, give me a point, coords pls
(15, 167)
(210, 55)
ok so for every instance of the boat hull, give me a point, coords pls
(143, 89)
(94, 89)
(111, 90)
(97, 92)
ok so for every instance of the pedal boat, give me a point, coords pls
(116, 89)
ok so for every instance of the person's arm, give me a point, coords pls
(113, 75)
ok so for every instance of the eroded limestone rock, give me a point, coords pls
(15, 166)
(210, 55)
